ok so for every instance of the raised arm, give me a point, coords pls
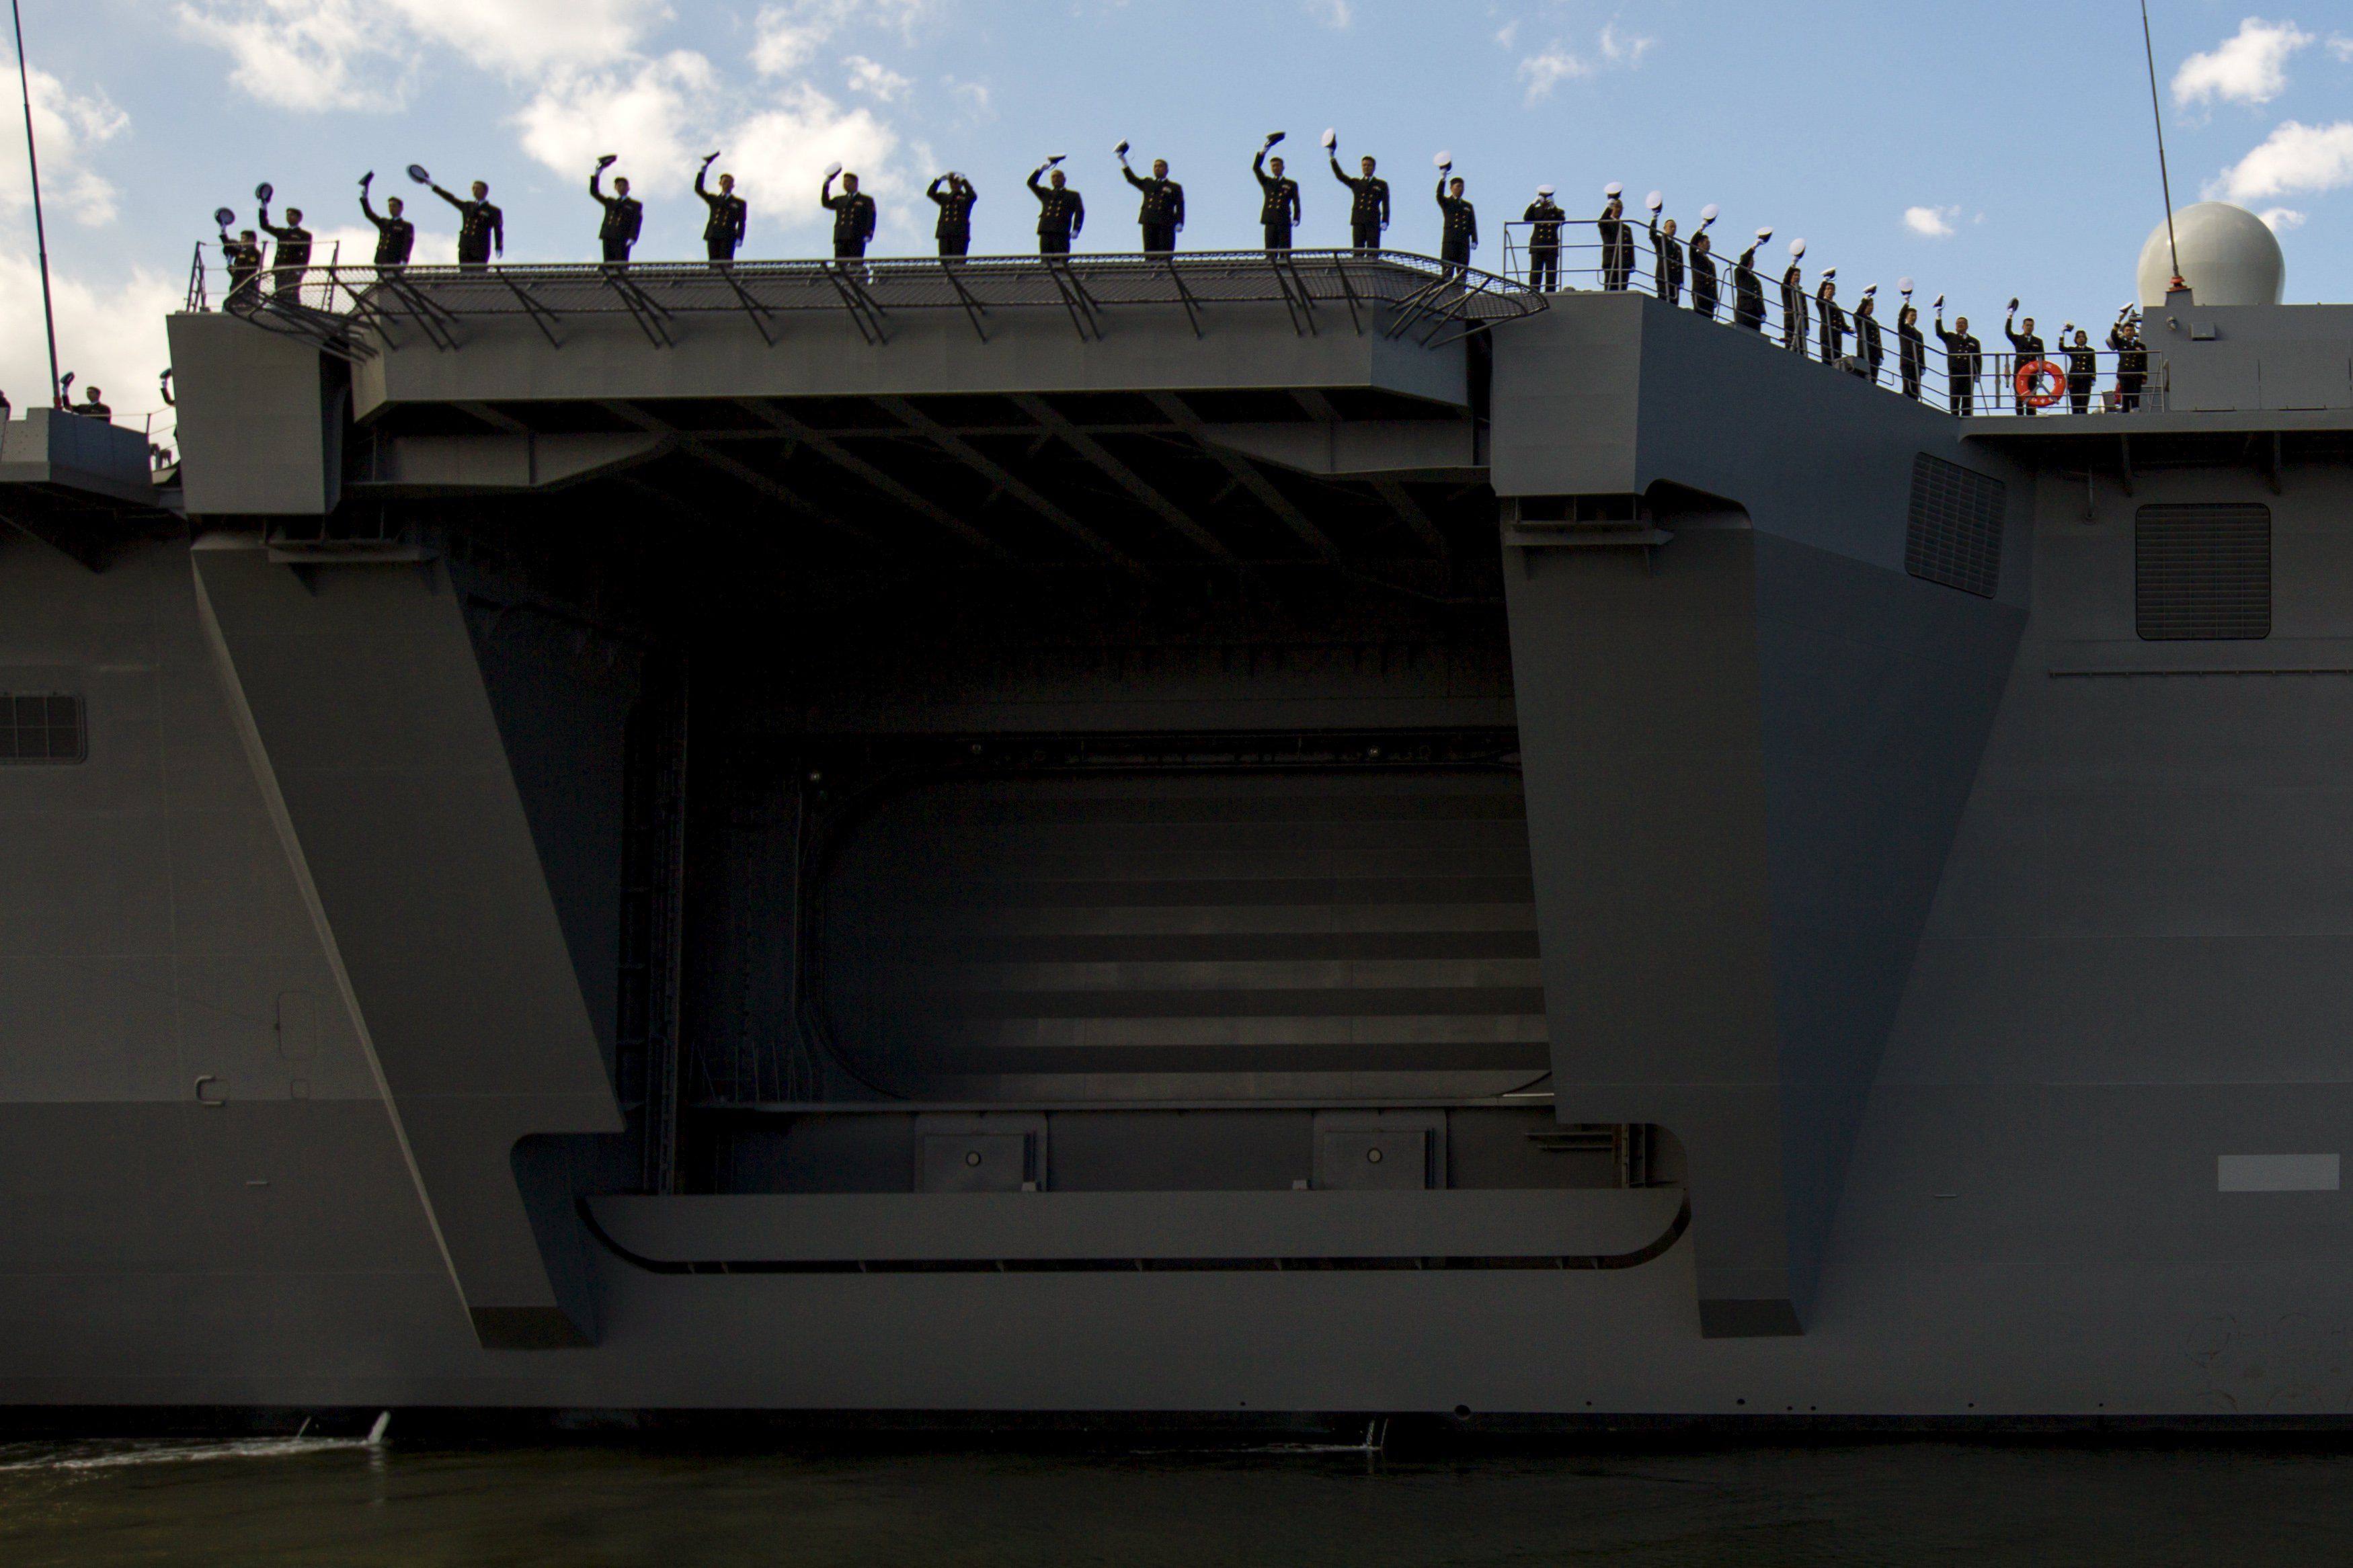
(1133, 178)
(1258, 167)
(1340, 174)
(933, 190)
(1035, 188)
(446, 196)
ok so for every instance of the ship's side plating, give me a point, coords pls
(1599, 867)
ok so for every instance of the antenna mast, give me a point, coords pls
(2164, 180)
(33, 163)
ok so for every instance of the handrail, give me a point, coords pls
(350, 309)
(2093, 378)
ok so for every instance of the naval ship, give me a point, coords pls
(1210, 836)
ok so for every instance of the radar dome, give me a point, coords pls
(2229, 256)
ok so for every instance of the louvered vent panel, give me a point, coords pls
(1954, 536)
(2202, 573)
(1227, 925)
(42, 727)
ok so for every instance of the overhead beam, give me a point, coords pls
(1246, 471)
(826, 446)
(1004, 479)
(1409, 511)
(736, 468)
(1120, 474)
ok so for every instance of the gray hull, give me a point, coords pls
(1565, 872)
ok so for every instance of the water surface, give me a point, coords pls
(99, 1503)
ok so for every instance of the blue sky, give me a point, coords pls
(1986, 150)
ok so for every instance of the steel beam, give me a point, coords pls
(1247, 473)
(1120, 474)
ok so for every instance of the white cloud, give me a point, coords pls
(2250, 67)
(1624, 51)
(109, 334)
(2342, 48)
(972, 95)
(315, 54)
(1556, 62)
(1548, 68)
(787, 34)
(876, 78)
(70, 126)
(781, 153)
(644, 114)
(2279, 220)
(1332, 13)
(1933, 223)
(2294, 158)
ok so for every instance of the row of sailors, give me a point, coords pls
(1965, 358)
(1161, 215)
(1061, 215)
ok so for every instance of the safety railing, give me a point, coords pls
(355, 310)
(2095, 379)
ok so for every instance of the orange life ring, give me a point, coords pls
(2032, 371)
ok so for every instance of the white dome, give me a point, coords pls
(2228, 254)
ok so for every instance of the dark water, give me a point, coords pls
(1915, 1502)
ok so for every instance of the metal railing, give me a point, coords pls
(2095, 379)
(356, 310)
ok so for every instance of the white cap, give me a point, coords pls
(1868, 290)
(1444, 160)
(1544, 191)
(1654, 201)
(1829, 273)
(1763, 235)
(1612, 188)
(831, 170)
(1331, 137)
(1707, 213)
(1905, 284)
(1796, 247)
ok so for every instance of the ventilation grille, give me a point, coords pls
(2202, 573)
(1954, 536)
(42, 727)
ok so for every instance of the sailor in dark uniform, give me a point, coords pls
(1458, 224)
(1544, 241)
(93, 405)
(1832, 329)
(1911, 347)
(243, 255)
(396, 236)
(293, 253)
(624, 213)
(955, 195)
(1278, 206)
(1666, 256)
(1161, 212)
(1062, 213)
(480, 227)
(853, 215)
(1964, 358)
(1868, 345)
(1747, 288)
(1793, 300)
(2028, 348)
(1703, 274)
(1368, 201)
(1617, 241)
(723, 231)
(2083, 370)
(2132, 360)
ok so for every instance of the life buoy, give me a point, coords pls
(2032, 372)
